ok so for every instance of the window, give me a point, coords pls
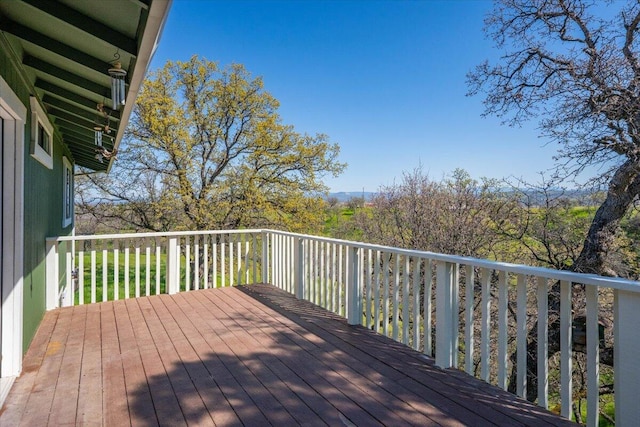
(67, 197)
(41, 135)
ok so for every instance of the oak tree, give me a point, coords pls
(574, 65)
(207, 149)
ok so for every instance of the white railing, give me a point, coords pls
(472, 314)
(88, 269)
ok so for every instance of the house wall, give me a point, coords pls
(43, 201)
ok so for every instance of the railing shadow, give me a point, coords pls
(266, 358)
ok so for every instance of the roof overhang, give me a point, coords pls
(65, 48)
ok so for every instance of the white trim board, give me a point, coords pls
(14, 115)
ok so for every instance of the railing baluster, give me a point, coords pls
(223, 279)
(341, 280)
(239, 260)
(187, 264)
(196, 262)
(147, 254)
(626, 320)
(316, 272)
(396, 297)
(593, 355)
(385, 297)
(159, 266)
(327, 266)
(445, 276)
(116, 267)
(566, 349)
(214, 261)
(246, 261)
(521, 336)
(70, 292)
(126, 269)
(405, 301)
(428, 287)
(205, 263)
(81, 274)
(543, 343)
(367, 293)
(137, 267)
(321, 281)
(231, 275)
(93, 273)
(376, 292)
(308, 250)
(334, 278)
(455, 310)
(485, 333)
(173, 266)
(354, 294)
(503, 300)
(254, 259)
(417, 263)
(105, 271)
(469, 343)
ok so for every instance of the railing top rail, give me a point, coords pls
(586, 279)
(119, 236)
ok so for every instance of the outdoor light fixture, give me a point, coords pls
(117, 75)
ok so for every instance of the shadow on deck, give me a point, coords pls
(250, 355)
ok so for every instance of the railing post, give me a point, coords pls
(265, 257)
(172, 266)
(66, 298)
(52, 260)
(445, 335)
(626, 318)
(354, 293)
(299, 267)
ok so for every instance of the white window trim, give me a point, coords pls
(39, 117)
(11, 286)
(67, 198)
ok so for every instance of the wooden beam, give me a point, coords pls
(85, 147)
(52, 70)
(74, 127)
(70, 117)
(72, 97)
(86, 24)
(32, 36)
(71, 109)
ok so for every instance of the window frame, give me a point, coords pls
(39, 120)
(67, 192)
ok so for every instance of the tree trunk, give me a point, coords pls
(624, 187)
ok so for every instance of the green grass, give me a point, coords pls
(134, 277)
(137, 278)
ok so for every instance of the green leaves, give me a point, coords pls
(214, 149)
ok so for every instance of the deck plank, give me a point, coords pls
(250, 355)
(115, 409)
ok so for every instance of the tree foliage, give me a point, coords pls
(577, 71)
(453, 216)
(206, 149)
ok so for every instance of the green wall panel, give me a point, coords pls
(43, 200)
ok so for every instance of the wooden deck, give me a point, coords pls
(239, 356)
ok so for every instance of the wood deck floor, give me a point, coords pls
(239, 356)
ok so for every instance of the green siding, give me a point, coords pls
(43, 210)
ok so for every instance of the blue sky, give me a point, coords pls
(384, 79)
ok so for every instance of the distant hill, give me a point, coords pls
(345, 196)
(536, 198)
